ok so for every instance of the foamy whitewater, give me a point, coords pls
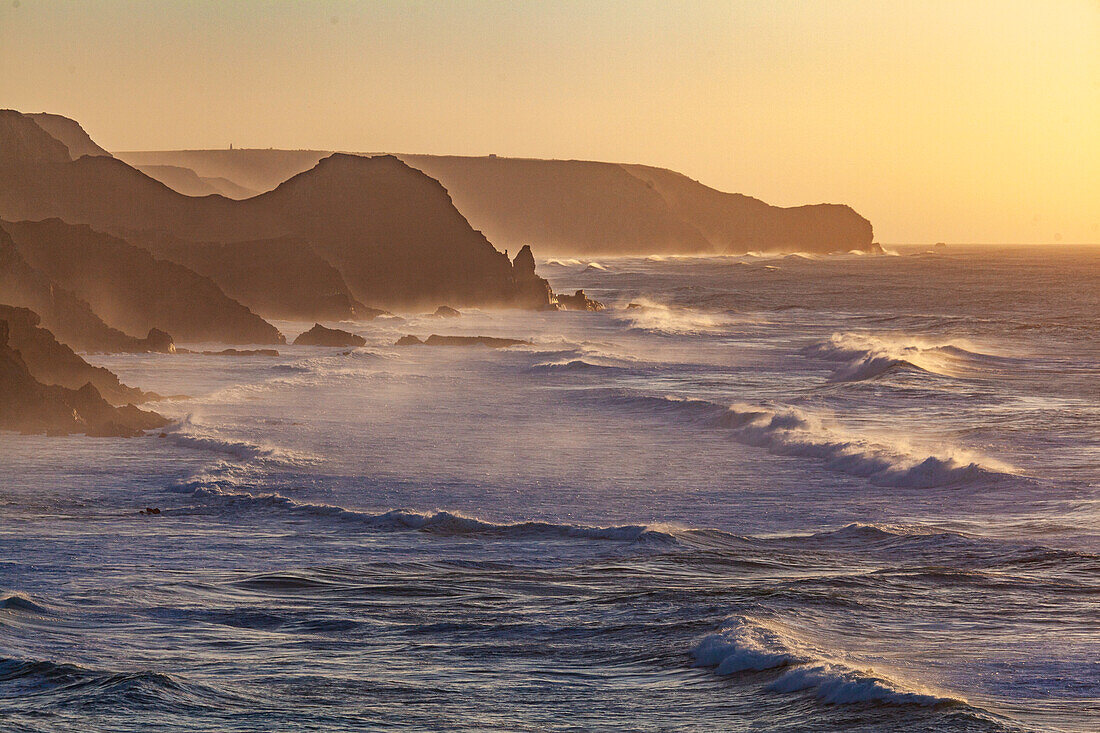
(756, 493)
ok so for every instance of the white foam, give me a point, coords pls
(865, 355)
(788, 431)
(190, 433)
(649, 315)
(748, 644)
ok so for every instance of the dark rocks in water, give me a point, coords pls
(446, 311)
(160, 342)
(149, 510)
(578, 301)
(321, 336)
(52, 362)
(939, 245)
(436, 340)
(29, 406)
(634, 306)
(538, 292)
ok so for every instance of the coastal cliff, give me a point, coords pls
(576, 206)
(29, 405)
(391, 231)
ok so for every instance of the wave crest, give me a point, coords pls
(747, 644)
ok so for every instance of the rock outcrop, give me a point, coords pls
(29, 406)
(52, 362)
(446, 311)
(321, 336)
(132, 290)
(578, 301)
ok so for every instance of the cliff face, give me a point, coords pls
(278, 278)
(580, 207)
(132, 290)
(52, 362)
(391, 231)
(29, 406)
(70, 133)
(71, 318)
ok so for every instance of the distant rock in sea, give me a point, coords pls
(321, 336)
(578, 301)
(446, 311)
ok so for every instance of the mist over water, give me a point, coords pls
(844, 492)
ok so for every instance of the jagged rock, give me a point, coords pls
(321, 336)
(51, 362)
(29, 406)
(446, 311)
(160, 342)
(436, 340)
(578, 301)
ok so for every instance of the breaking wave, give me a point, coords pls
(864, 356)
(647, 315)
(753, 645)
(217, 489)
(790, 431)
(189, 433)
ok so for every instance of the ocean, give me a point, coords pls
(787, 493)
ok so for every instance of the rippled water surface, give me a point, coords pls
(781, 493)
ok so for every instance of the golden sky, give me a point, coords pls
(959, 121)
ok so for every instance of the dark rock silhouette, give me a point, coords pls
(70, 133)
(436, 340)
(321, 336)
(579, 207)
(29, 406)
(446, 311)
(578, 301)
(390, 230)
(52, 362)
(279, 278)
(132, 290)
(189, 183)
(66, 315)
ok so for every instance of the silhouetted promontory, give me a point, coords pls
(576, 206)
(391, 231)
(62, 312)
(132, 290)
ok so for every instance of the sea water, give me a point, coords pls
(755, 493)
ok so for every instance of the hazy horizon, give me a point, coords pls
(939, 122)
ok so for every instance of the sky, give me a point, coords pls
(966, 121)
